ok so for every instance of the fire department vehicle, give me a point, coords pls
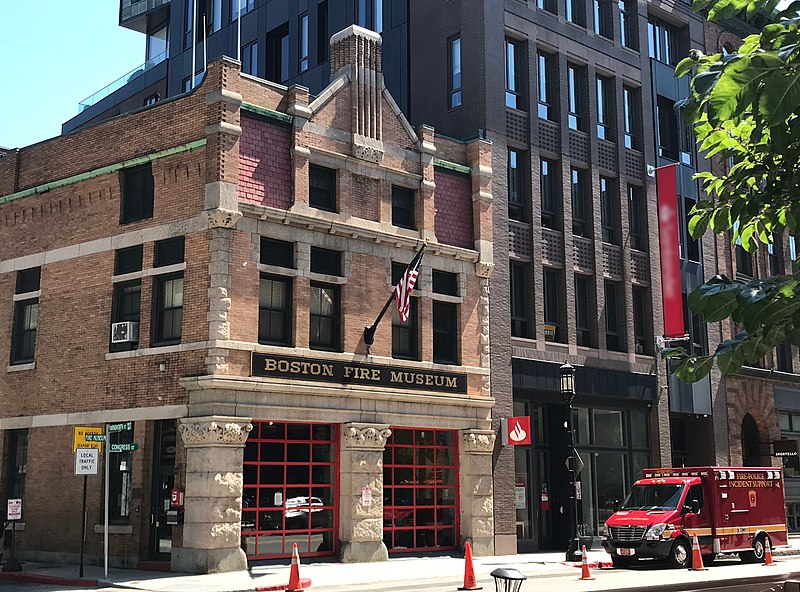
(730, 509)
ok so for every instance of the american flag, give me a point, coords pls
(402, 291)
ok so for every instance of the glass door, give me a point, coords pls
(164, 442)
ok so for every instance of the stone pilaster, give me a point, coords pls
(476, 489)
(361, 466)
(213, 499)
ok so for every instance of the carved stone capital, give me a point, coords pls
(478, 441)
(368, 149)
(214, 431)
(364, 436)
(484, 268)
(222, 218)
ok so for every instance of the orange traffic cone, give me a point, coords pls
(697, 558)
(768, 554)
(295, 584)
(469, 573)
(585, 574)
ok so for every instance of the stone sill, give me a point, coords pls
(21, 367)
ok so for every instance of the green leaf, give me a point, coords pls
(684, 67)
(719, 307)
(721, 219)
(779, 99)
(698, 224)
(693, 368)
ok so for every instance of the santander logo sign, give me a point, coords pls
(518, 430)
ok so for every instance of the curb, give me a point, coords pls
(21, 576)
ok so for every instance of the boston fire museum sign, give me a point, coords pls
(294, 368)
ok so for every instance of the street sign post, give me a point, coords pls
(123, 447)
(125, 426)
(80, 440)
(87, 461)
(14, 513)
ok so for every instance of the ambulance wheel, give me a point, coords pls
(680, 556)
(758, 552)
(621, 562)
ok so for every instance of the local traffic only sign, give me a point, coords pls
(87, 461)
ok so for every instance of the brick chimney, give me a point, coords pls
(356, 54)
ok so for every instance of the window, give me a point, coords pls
(403, 214)
(324, 317)
(631, 103)
(548, 83)
(322, 188)
(641, 313)
(516, 185)
(326, 261)
(126, 299)
(369, 14)
(775, 255)
(575, 12)
(241, 6)
(445, 332)
(519, 305)
(662, 41)
(696, 327)
(277, 252)
(361, 13)
(550, 184)
(137, 194)
(120, 479)
(612, 307)
(637, 218)
(169, 252)
(157, 43)
(16, 463)
(151, 100)
(605, 108)
(250, 59)
(444, 283)
(167, 309)
(405, 335)
(692, 245)
(579, 193)
(667, 128)
(687, 142)
(187, 84)
(783, 357)
(515, 67)
(577, 97)
(278, 53)
(744, 261)
(322, 32)
(303, 39)
(583, 304)
(608, 211)
(128, 260)
(789, 424)
(552, 297)
(602, 19)
(275, 310)
(26, 316)
(628, 11)
(548, 5)
(211, 11)
(454, 78)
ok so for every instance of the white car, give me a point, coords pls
(299, 506)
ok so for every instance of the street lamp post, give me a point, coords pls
(567, 377)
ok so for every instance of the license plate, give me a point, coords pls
(626, 552)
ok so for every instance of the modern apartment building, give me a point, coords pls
(196, 286)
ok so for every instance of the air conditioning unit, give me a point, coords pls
(127, 332)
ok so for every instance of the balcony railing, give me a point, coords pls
(120, 82)
(133, 8)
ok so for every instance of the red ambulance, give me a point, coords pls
(730, 509)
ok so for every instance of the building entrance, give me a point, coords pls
(420, 495)
(164, 440)
(290, 490)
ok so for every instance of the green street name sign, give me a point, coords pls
(95, 437)
(125, 426)
(124, 447)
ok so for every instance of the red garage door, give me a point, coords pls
(420, 499)
(290, 490)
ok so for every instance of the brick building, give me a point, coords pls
(204, 268)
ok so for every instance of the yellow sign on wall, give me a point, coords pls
(79, 439)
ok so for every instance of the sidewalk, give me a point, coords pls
(265, 578)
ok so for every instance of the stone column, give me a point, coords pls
(476, 490)
(361, 525)
(213, 499)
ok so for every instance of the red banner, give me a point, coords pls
(667, 189)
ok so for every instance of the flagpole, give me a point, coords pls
(194, 39)
(239, 33)
(369, 332)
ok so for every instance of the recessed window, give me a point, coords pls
(516, 185)
(445, 283)
(137, 194)
(275, 310)
(612, 309)
(241, 7)
(602, 19)
(583, 307)
(637, 218)
(405, 334)
(641, 314)
(519, 280)
(548, 5)
(126, 308)
(250, 59)
(609, 211)
(551, 195)
(445, 332)
(128, 260)
(692, 245)
(326, 261)
(213, 15)
(322, 188)
(167, 309)
(454, 68)
(631, 100)
(403, 207)
(303, 42)
(278, 53)
(277, 252)
(580, 209)
(26, 317)
(577, 97)
(16, 465)
(515, 68)
(575, 12)
(548, 85)
(667, 128)
(663, 41)
(605, 108)
(551, 283)
(324, 317)
(628, 13)
(169, 252)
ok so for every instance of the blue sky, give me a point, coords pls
(53, 54)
